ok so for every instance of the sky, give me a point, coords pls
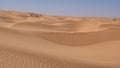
(77, 8)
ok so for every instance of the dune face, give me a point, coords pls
(82, 39)
(110, 26)
(29, 40)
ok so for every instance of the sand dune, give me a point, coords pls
(62, 26)
(40, 41)
(110, 26)
(81, 39)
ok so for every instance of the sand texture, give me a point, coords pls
(29, 40)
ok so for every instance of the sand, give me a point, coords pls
(40, 41)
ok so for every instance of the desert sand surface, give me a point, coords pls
(29, 40)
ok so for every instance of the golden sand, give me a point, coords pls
(40, 41)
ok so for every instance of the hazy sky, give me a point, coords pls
(99, 8)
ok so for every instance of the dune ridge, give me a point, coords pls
(30, 40)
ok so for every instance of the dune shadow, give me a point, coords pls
(81, 39)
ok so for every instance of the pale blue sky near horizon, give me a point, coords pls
(79, 8)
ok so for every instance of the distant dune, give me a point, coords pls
(30, 40)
